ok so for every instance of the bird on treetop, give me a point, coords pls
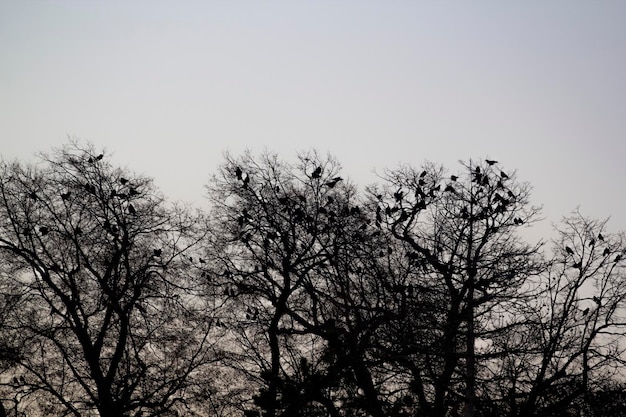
(490, 162)
(317, 173)
(333, 182)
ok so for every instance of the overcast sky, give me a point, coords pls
(168, 86)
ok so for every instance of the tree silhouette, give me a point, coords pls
(106, 323)
(299, 295)
(465, 267)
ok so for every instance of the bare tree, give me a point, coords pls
(465, 266)
(295, 252)
(109, 322)
(573, 341)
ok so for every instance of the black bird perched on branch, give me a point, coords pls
(585, 311)
(606, 251)
(66, 195)
(454, 177)
(43, 230)
(333, 182)
(503, 175)
(238, 173)
(569, 250)
(490, 162)
(317, 173)
(157, 252)
(123, 181)
(600, 237)
(131, 209)
(450, 189)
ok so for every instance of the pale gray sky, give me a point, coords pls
(169, 85)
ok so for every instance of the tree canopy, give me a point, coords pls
(296, 293)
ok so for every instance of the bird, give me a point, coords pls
(596, 300)
(450, 188)
(33, 195)
(202, 261)
(454, 177)
(585, 311)
(66, 195)
(157, 252)
(333, 182)
(99, 157)
(246, 180)
(43, 230)
(592, 242)
(600, 237)
(490, 162)
(606, 251)
(569, 250)
(503, 175)
(398, 195)
(577, 265)
(131, 209)
(123, 181)
(423, 174)
(317, 173)
(238, 173)
(617, 258)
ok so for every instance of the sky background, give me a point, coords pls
(168, 86)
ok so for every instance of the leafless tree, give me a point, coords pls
(109, 323)
(466, 266)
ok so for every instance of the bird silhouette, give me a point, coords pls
(99, 157)
(606, 251)
(246, 180)
(33, 195)
(333, 182)
(66, 195)
(157, 252)
(423, 174)
(585, 311)
(596, 300)
(569, 250)
(131, 209)
(617, 258)
(123, 181)
(503, 175)
(454, 177)
(450, 188)
(238, 173)
(490, 162)
(600, 237)
(592, 242)
(317, 173)
(43, 230)
(577, 265)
